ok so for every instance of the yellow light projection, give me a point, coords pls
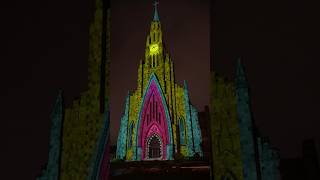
(154, 49)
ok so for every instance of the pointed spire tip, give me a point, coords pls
(156, 15)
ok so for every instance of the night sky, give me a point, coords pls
(44, 47)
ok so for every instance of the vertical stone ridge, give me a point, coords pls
(248, 138)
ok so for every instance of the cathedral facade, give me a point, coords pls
(158, 121)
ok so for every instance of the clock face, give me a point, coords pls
(154, 49)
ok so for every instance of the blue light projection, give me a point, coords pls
(188, 120)
(196, 131)
(122, 137)
(52, 170)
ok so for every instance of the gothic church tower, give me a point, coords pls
(158, 121)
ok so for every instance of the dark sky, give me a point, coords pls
(44, 47)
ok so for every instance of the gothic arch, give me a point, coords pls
(164, 123)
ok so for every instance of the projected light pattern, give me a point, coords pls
(156, 107)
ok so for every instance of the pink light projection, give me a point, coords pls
(153, 121)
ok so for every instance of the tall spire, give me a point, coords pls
(241, 80)
(156, 15)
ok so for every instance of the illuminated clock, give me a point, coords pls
(154, 48)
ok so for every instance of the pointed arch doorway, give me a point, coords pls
(154, 148)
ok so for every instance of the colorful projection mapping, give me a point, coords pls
(159, 120)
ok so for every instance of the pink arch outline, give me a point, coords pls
(160, 126)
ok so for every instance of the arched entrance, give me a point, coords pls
(154, 147)
(154, 119)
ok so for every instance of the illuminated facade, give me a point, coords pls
(158, 121)
(79, 141)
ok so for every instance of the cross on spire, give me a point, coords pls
(156, 15)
